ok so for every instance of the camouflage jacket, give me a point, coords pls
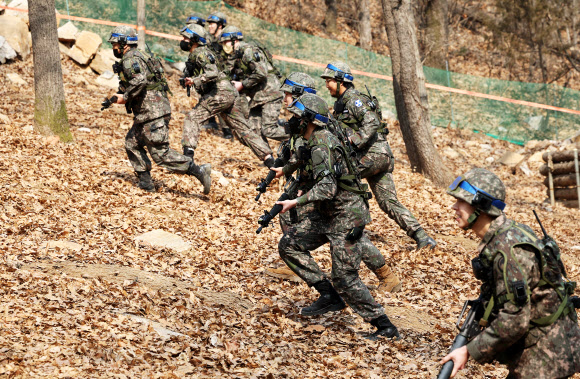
(353, 112)
(204, 69)
(344, 210)
(137, 84)
(530, 351)
(293, 163)
(256, 74)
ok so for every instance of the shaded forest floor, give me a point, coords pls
(96, 311)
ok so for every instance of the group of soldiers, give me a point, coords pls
(326, 155)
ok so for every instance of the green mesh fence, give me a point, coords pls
(515, 123)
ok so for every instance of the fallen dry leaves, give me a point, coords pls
(95, 311)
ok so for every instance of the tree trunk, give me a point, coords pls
(141, 23)
(50, 116)
(412, 112)
(364, 25)
(331, 15)
(436, 33)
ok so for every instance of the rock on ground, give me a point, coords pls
(164, 240)
(17, 35)
(6, 51)
(86, 46)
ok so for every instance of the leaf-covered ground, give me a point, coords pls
(63, 313)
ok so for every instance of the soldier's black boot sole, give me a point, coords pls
(385, 328)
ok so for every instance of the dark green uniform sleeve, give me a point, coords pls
(135, 71)
(512, 321)
(325, 187)
(368, 122)
(256, 73)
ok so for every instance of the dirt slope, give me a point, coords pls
(67, 313)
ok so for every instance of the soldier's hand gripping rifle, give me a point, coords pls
(108, 102)
(283, 157)
(467, 331)
(187, 72)
(267, 217)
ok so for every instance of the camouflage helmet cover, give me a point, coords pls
(195, 18)
(195, 33)
(218, 18)
(482, 189)
(297, 83)
(312, 106)
(124, 34)
(231, 33)
(338, 70)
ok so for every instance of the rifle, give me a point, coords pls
(551, 246)
(467, 331)
(267, 217)
(187, 72)
(283, 157)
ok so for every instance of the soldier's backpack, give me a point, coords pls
(156, 78)
(264, 50)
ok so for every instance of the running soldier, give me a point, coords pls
(344, 213)
(254, 75)
(295, 85)
(218, 96)
(143, 89)
(531, 323)
(361, 116)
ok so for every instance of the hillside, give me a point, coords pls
(472, 49)
(97, 304)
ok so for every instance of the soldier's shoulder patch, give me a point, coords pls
(358, 103)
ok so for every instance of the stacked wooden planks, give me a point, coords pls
(562, 177)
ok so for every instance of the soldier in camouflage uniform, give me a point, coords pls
(296, 84)
(342, 216)
(218, 96)
(254, 76)
(531, 323)
(216, 22)
(143, 90)
(360, 114)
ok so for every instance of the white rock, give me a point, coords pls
(15, 78)
(68, 32)
(180, 66)
(62, 245)
(108, 79)
(510, 158)
(223, 181)
(6, 51)
(85, 47)
(64, 49)
(4, 119)
(161, 239)
(20, 4)
(450, 153)
(103, 61)
(489, 160)
(28, 128)
(85, 130)
(17, 35)
(535, 122)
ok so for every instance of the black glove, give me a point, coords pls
(108, 102)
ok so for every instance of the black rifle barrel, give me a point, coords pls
(539, 222)
(447, 368)
(263, 186)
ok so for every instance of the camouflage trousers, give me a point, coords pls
(154, 136)
(228, 104)
(377, 168)
(264, 121)
(312, 232)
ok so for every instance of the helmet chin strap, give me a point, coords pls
(471, 220)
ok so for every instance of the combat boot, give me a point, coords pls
(328, 301)
(202, 173)
(145, 181)
(385, 328)
(227, 133)
(423, 240)
(388, 282)
(188, 152)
